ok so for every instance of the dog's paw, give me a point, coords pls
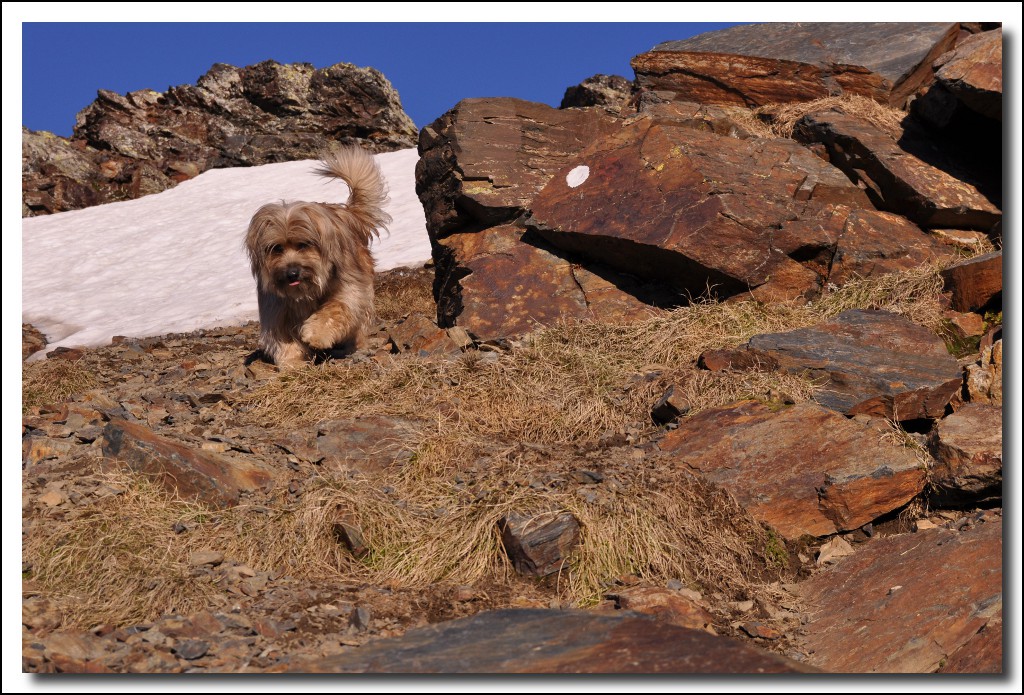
(319, 333)
(287, 355)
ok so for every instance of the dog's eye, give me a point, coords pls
(301, 246)
(276, 249)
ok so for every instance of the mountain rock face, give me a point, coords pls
(680, 192)
(127, 146)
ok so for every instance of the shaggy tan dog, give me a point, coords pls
(313, 267)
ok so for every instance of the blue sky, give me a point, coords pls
(432, 65)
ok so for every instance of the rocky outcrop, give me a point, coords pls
(871, 362)
(803, 470)
(609, 91)
(799, 61)
(535, 641)
(127, 146)
(624, 216)
(983, 382)
(908, 603)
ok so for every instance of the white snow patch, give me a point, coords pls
(175, 261)
(577, 176)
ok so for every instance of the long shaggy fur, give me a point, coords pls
(312, 263)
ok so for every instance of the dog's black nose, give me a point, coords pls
(292, 274)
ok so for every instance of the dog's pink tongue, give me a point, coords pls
(293, 284)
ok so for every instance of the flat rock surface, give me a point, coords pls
(539, 641)
(689, 208)
(496, 285)
(803, 470)
(872, 362)
(894, 179)
(190, 472)
(899, 52)
(905, 604)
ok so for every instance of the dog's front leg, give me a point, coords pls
(331, 324)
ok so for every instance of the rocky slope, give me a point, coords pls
(127, 146)
(552, 459)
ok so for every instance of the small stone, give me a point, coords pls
(761, 630)
(52, 498)
(191, 649)
(360, 618)
(205, 557)
(923, 525)
(833, 550)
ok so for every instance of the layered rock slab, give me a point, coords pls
(896, 180)
(905, 604)
(538, 641)
(872, 362)
(191, 473)
(803, 470)
(852, 57)
(691, 209)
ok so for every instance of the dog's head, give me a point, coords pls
(294, 247)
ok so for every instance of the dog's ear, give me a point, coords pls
(266, 219)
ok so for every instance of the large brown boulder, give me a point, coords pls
(895, 179)
(872, 362)
(803, 470)
(906, 604)
(970, 75)
(976, 284)
(690, 209)
(127, 146)
(798, 61)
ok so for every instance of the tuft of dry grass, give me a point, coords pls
(782, 118)
(404, 291)
(53, 381)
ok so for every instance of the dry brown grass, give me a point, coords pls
(491, 427)
(403, 291)
(53, 381)
(783, 118)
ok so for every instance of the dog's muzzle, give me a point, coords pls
(292, 275)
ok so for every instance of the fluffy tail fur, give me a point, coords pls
(359, 170)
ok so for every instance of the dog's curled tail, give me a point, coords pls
(359, 170)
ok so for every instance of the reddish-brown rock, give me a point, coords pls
(690, 209)
(539, 544)
(841, 244)
(664, 604)
(900, 53)
(804, 470)
(983, 653)
(968, 451)
(976, 284)
(482, 162)
(894, 179)
(722, 78)
(499, 283)
(539, 641)
(984, 380)
(973, 73)
(417, 333)
(903, 604)
(872, 362)
(191, 473)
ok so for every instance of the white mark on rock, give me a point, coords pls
(577, 176)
